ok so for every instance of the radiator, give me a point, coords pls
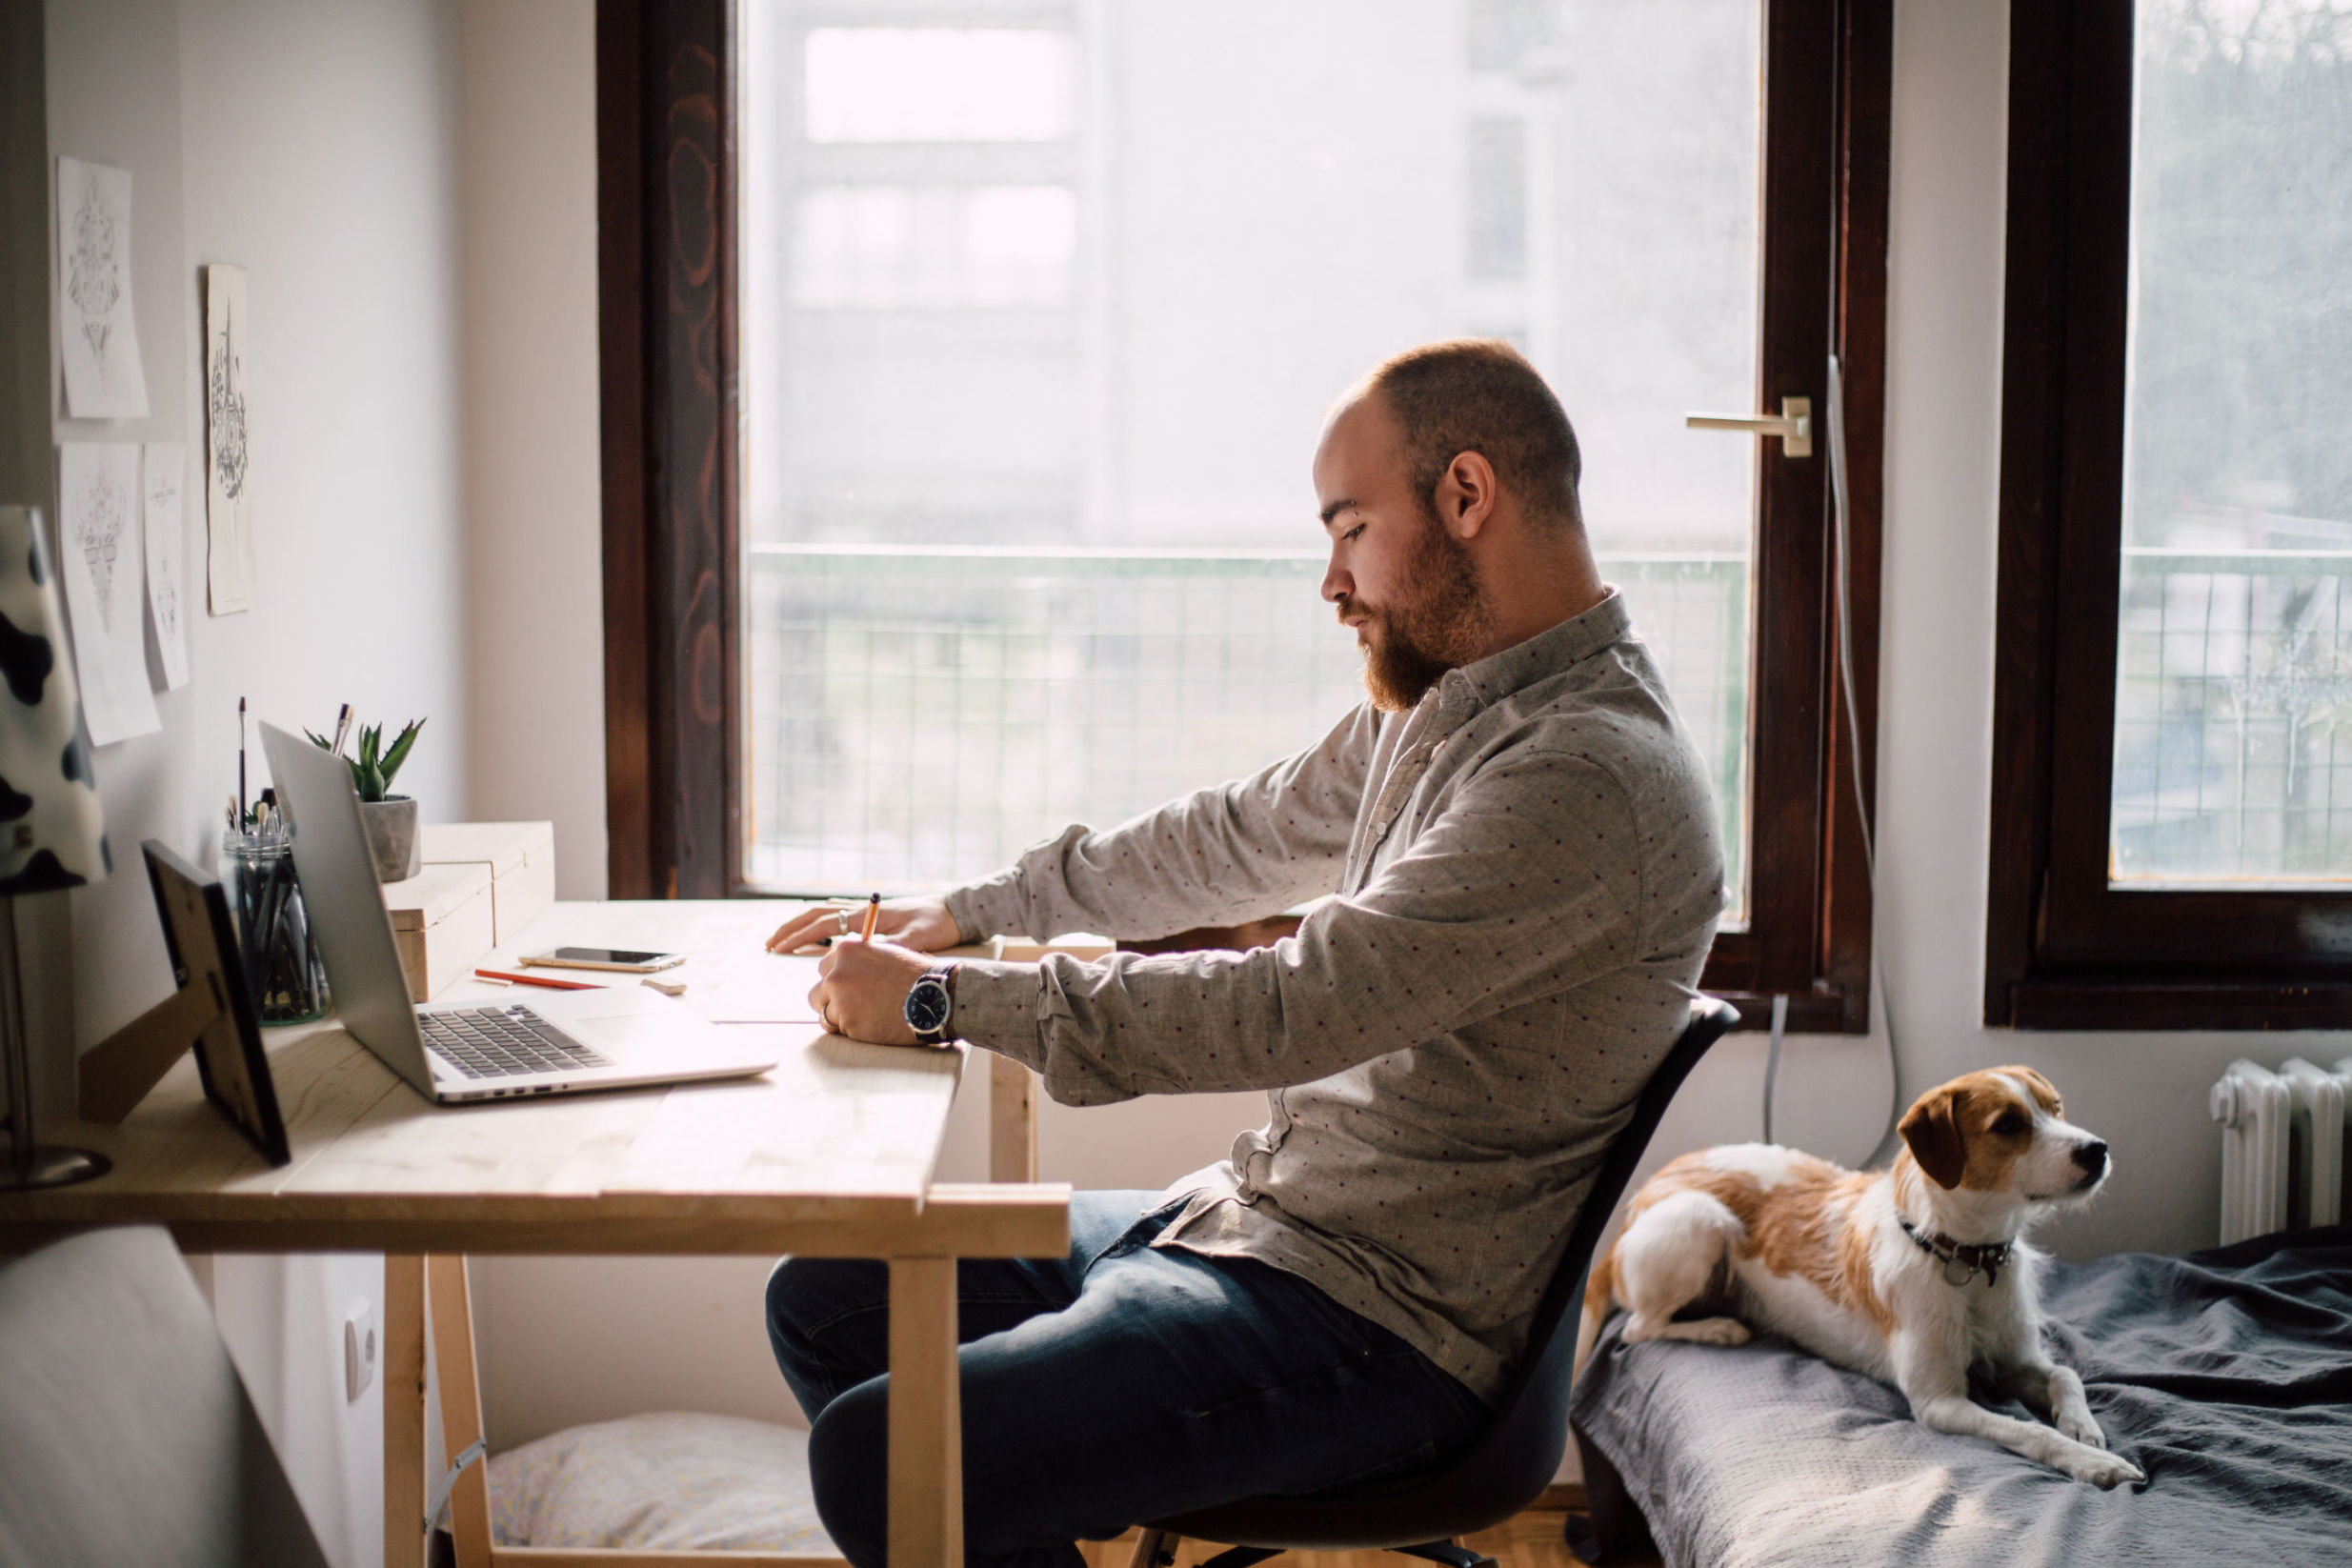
(2282, 1136)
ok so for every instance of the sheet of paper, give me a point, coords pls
(228, 476)
(98, 543)
(163, 476)
(99, 340)
(753, 987)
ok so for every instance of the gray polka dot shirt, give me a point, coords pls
(1526, 875)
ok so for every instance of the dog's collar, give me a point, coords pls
(1961, 1262)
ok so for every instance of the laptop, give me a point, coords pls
(460, 1053)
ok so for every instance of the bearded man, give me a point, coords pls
(1515, 848)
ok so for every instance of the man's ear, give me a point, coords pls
(1932, 1128)
(1466, 495)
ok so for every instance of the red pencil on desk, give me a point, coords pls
(513, 978)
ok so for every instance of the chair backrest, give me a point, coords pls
(1508, 1468)
(125, 1434)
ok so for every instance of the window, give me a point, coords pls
(2177, 657)
(1027, 314)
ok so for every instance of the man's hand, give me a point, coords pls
(922, 924)
(862, 988)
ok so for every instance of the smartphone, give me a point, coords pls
(626, 959)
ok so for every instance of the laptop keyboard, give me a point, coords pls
(500, 1042)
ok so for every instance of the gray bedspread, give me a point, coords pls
(2227, 1376)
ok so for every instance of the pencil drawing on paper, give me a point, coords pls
(225, 408)
(97, 523)
(166, 595)
(94, 282)
(100, 557)
(98, 336)
(163, 469)
(229, 443)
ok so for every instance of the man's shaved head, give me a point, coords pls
(1480, 395)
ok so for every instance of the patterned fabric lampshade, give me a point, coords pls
(52, 833)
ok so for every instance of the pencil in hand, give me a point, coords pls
(873, 912)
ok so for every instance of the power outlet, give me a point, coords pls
(358, 1348)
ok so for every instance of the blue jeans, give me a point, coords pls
(1113, 1386)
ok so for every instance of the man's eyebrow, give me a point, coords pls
(1334, 509)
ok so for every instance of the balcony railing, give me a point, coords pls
(921, 716)
(2233, 736)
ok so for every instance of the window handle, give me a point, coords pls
(1794, 426)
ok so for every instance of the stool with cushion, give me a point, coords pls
(126, 1436)
(1507, 1469)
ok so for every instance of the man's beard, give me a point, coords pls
(1444, 625)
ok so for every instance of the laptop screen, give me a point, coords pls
(347, 909)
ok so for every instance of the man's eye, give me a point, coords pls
(1351, 533)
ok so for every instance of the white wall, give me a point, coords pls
(314, 144)
(531, 425)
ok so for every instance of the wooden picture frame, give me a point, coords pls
(209, 1013)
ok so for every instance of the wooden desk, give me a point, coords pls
(831, 1153)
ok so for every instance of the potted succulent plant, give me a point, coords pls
(391, 819)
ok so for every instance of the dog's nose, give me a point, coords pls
(2091, 1157)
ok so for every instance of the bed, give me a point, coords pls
(2226, 1374)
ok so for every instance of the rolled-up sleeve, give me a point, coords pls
(1235, 853)
(1525, 884)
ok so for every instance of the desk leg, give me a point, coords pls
(446, 1285)
(1012, 1120)
(926, 1417)
(404, 1411)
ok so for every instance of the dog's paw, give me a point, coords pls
(1717, 1331)
(2102, 1468)
(2077, 1424)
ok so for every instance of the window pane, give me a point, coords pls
(937, 85)
(2233, 684)
(916, 247)
(1029, 403)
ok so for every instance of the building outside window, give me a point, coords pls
(1042, 303)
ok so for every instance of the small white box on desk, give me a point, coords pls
(520, 858)
(441, 920)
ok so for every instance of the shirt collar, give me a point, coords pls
(1547, 653)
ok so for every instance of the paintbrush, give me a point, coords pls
(342, 727)
(241, 762)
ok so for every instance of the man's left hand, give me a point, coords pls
(861, 989)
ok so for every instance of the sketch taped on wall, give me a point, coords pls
(98, 335)
(100, 555)
(228, 466)
(164, 480)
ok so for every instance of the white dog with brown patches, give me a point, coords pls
(1910, 1275)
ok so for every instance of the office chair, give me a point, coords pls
(1508, 1468)
(125, 1434)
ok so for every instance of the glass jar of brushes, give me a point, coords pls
(283, 971)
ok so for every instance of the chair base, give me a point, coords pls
(1157, 1550)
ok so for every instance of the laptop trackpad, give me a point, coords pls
(635, 1029)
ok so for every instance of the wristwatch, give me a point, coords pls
(929, 1004)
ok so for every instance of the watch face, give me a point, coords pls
(926, 1006)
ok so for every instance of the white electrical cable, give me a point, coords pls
(1844, 575)
(1772, 1055)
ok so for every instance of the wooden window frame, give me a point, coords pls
(2064, 948)
(666, 144)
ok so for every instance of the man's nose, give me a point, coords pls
(1338, 584)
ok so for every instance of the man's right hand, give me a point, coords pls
(922, 924)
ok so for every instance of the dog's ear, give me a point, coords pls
(1932, 1128)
